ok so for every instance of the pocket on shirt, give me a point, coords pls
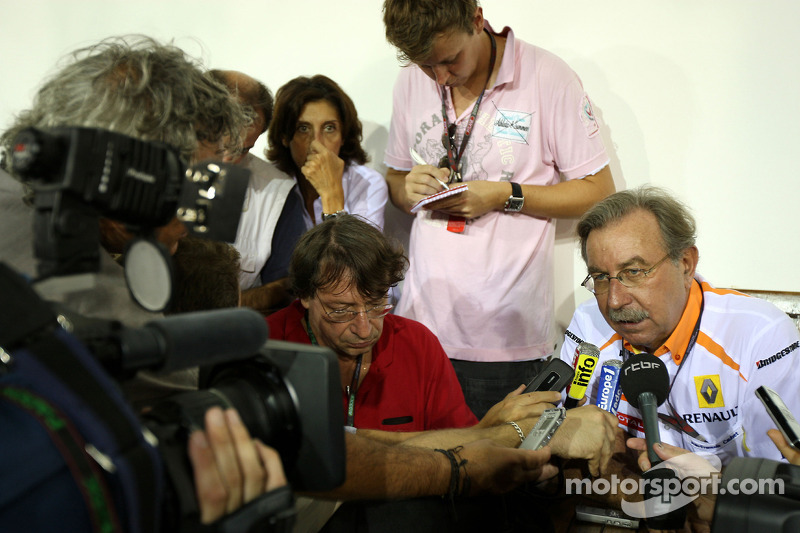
(398, 420)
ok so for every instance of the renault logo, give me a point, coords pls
(709, 391)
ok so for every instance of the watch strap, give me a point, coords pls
(516, 200)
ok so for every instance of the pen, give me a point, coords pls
(418, 160)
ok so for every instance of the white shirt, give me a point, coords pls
(266, 193)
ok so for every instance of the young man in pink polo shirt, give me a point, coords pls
(513, 122)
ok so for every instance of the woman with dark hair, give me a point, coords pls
(315, 136)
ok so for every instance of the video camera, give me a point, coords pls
(759, 509)
(287, 394)
(81, 174)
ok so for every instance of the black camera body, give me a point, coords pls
(81, 174)
(288, 397)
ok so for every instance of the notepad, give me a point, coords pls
(438, 196)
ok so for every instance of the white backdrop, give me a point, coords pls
(698, 96)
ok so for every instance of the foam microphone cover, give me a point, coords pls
(644, 373)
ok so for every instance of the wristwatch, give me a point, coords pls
(516, 200)
(327, 216)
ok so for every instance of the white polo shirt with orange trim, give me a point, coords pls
(743, 343)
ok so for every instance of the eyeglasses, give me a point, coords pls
(341, 316)
(629, 277)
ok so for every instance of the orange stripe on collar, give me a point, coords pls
(614, 338)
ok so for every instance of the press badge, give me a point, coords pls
(511, 125)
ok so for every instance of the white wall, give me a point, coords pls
(698, 96)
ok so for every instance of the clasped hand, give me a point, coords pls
(589, 433)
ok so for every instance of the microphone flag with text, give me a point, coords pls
(585, 363)
(609, 392)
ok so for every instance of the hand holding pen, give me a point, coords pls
(420, 161)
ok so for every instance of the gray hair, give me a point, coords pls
(137, 86)
(677, 225)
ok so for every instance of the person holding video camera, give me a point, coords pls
(150, 91)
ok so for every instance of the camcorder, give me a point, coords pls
(287, 394)
(81, 174)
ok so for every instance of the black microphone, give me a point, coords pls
(192, 339)
(645, 383)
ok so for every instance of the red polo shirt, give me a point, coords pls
(411, 384)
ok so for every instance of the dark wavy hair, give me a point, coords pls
(342, 248)
(206, 276)
(289, 103)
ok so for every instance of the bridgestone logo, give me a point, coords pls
(574, 337)
(780, 355)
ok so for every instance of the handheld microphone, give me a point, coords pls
(645, 382)
(609, 391)
(586, 357)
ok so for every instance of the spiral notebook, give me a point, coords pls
(438, 196)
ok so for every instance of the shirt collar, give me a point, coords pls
(678, 342)
(506, 72)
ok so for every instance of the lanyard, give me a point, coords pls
(454, 158)
(675, 421)
(353, 387)
(351, 393)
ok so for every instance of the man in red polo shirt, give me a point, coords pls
(395, 375)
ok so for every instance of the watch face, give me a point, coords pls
(514, 204)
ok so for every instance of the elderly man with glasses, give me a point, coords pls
(718, 345)
(394, 374)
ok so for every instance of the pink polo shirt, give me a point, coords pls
(487, 293)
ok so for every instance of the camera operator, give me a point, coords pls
(149, 91)
(144, 89)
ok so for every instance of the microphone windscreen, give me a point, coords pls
(201, 338)
(644, 373)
